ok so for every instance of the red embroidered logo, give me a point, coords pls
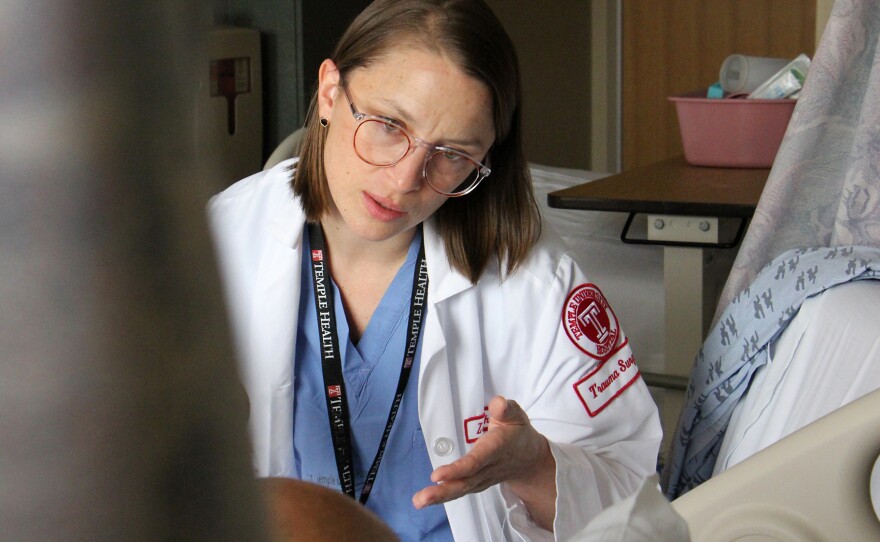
(317, 256)
(474, 427)
(334, 391)
(589, 321)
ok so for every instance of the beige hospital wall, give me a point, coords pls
(553, 43)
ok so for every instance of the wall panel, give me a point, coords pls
(678, 46)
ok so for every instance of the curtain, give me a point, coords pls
(824, 186)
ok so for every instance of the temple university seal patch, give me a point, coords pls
(589, 322)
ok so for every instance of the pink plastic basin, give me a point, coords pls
(731, 132)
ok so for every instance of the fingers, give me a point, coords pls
(498, 410)
(468, 465)
(505, 411)
(451, 490)
(439, 494)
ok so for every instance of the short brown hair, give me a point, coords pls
(500, 218)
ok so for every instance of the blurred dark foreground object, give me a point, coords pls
(120, 412)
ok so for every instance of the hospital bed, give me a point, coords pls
(797, 459)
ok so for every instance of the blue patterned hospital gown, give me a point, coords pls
(738, 345)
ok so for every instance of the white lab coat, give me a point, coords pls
(498, 337)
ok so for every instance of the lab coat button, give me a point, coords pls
(443, 446)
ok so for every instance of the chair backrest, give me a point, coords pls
(286, 149)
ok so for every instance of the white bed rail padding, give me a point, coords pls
(810, 486)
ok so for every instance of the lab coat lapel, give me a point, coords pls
(277, 295)
(443, 282)
(446, 396)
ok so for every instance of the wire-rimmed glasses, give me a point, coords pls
(381, 142)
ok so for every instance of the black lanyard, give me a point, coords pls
(331, 362)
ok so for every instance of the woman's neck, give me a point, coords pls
(362, 270)
(344, 247)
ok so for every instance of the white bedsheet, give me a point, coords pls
(828, 356)
(630, 276)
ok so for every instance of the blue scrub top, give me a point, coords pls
(371, 370)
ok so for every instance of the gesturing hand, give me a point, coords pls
(511, 451)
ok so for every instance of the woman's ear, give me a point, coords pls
(328, 88)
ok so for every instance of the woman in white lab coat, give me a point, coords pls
(379, 253)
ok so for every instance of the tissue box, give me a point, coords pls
(731, 132)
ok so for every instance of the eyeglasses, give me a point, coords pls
(383, 143)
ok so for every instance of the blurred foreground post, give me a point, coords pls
(120, 414)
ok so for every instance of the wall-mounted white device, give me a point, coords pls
(231, 104)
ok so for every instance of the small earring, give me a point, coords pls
(324, 122)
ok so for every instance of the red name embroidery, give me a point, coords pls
(474, 427)
(606, 382)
